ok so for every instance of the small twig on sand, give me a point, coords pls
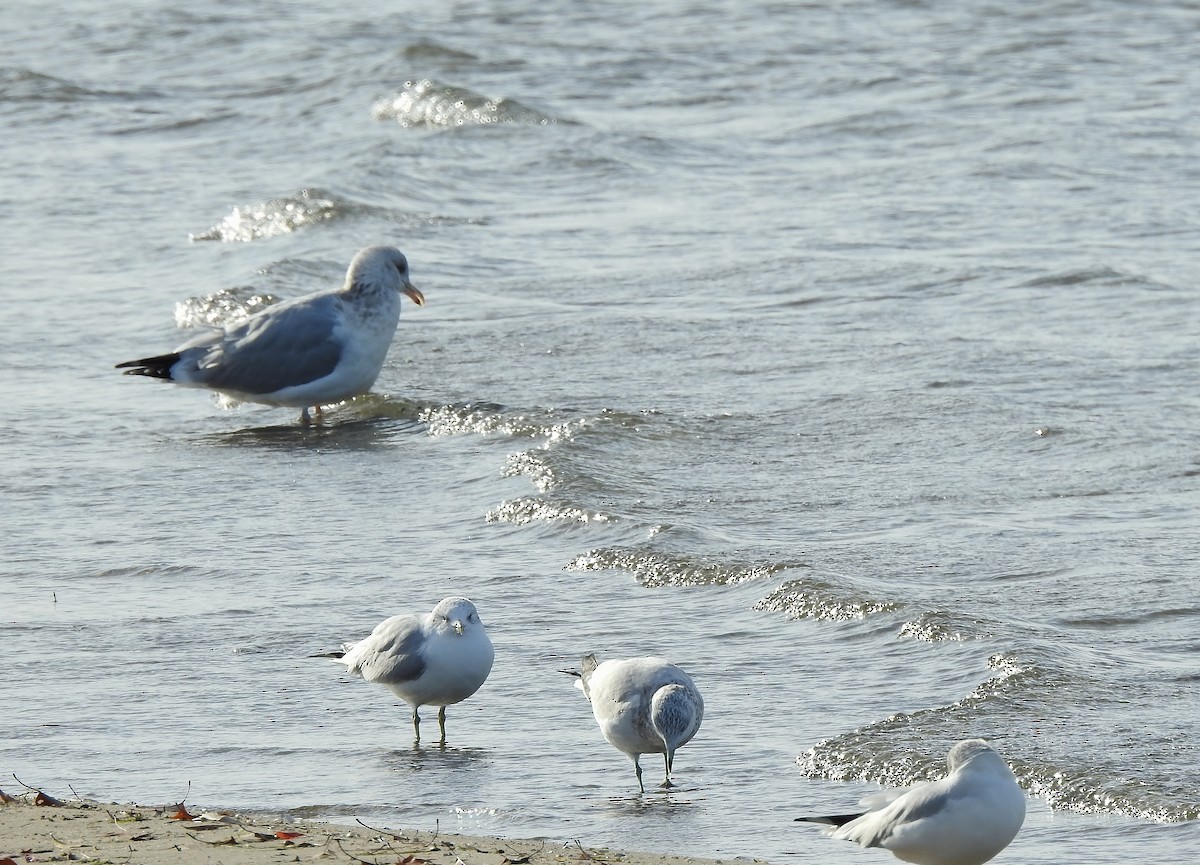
(227, 842)
(393, 835)
(351, 855)
(583, 854)
(523, 859)
(42, 798)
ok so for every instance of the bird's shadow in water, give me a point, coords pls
(657, 799)
(364, 424)
(422, 757)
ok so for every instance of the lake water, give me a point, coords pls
(845, 354)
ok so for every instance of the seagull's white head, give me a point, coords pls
(973, 751)
(457, 615)
(382, 267)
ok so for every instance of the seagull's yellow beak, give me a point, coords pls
(414, 293)
(458, 627)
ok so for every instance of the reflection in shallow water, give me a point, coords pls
(422, 757)
(361, 424)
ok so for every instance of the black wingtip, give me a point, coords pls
(831, 820)
(154, 367)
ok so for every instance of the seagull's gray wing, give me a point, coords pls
(922, 806)
(902, 815)
(391, 654)
(880, 799)
(285, 345)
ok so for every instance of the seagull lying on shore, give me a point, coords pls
(314, 350)
(966, 818)
(643, 706)
(436, 659)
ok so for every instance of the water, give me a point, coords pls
(844, 354)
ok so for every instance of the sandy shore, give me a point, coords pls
(37, 827)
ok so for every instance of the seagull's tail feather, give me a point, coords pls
(576, 680)
(333, 656)
(586, 668)
(155, 367)
(831, 820)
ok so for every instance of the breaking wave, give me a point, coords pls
(534, 510)
(814, 598)
(426, 103)
(907, 748)
(656, 570)
(227, 306)
(276, 216)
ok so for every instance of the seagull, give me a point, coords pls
(436, 659)
(313, 350)
(966, 818)
(643, 706)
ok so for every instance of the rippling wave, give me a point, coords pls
(936, 625)
(277, 216)
(426, 103)
(655, 570)
(1092, 792)
(863, 756)
(815, 598)
(308, 208)
(492, 418)
(227, 306)
(550, 430)
(25, 85)
(895, 751)
(533, 510)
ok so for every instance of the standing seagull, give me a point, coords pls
(965, 818)
(436, 659)
(643, 706)
(314, 350)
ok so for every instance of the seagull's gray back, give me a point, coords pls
(285, 345)
(921, 807)
(877, 827)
